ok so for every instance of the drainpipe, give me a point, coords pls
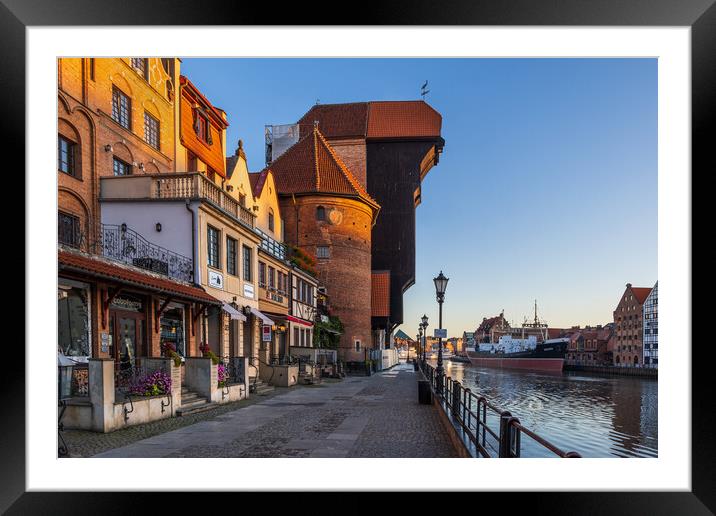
(194, 240)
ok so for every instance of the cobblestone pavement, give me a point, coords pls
(376, 416)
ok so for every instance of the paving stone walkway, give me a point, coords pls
(376, 416)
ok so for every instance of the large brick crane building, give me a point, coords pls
(389, 147)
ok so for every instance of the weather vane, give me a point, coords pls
(423, 90)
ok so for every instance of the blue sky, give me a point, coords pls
(546, 189)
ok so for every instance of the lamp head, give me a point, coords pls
(440, 285)
(424, 318)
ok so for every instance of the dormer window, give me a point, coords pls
(202, 127)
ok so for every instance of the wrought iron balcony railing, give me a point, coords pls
(125, 245)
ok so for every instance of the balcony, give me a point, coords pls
(121, 244)
(272, 246)
(181, 186)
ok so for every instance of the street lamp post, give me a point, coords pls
(440, 287)
(424, 324)
(420, 340)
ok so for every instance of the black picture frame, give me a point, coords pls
(700, 15)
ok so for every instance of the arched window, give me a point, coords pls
(320, 213)
(270, 220)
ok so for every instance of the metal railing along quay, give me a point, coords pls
(472, 416)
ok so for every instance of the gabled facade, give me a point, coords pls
(628, 326)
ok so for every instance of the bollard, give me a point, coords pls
(424, 393)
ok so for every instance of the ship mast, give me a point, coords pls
(537, 324)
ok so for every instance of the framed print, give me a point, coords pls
(517, 182)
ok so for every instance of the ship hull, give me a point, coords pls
(527, 364)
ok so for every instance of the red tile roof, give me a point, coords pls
(380, 294)
(641, 293)
(403, 119)
(384, 119)
(311, 166)
(336, 120)
(102, 268)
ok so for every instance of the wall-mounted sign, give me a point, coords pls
(216, 280)
(440, 333)
(105, 342)
(266, 335)
(127, 303)
(248, 290)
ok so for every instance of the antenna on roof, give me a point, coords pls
(423, 90)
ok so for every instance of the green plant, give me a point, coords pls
(323, 338)
(303, 260)
(177, 358)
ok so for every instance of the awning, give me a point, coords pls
(261, 316)
(233, 312)
(299, 321)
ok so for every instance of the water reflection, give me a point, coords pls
(595, 416)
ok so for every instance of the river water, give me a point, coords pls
(597, 416)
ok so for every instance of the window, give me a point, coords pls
(213, 246)
(121, 168)
(322, 251)
(68, 229)
(231, 251)
(271, 277)
(357, 344)
(66, 151)
(121, 108)
(247, 263)
(202, 127)
(262, 274)
(320, 213)
(91, 68)
(295, 337)
(140, 65)
(73, 329)
(270, 220)
(151, 130)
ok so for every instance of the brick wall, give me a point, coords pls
(353, 154)
(84, 113)
(347, 272)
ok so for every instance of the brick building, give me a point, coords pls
(114, 116)
(589, 346)
(329, 215)
(490, 329)
(628, 326)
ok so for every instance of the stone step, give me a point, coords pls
(187, 398)
(195, 402)
(185, 411)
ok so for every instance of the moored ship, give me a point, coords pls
(527, 348)
(545, 356)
